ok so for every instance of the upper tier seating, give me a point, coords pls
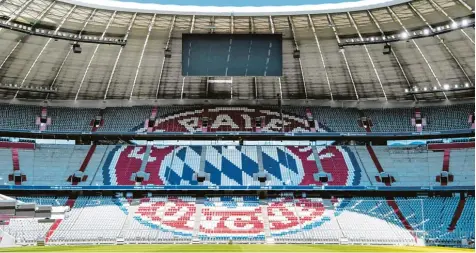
(49, 164)
(246, 219)
(391, 119)
(238, 118)
(447, 117)
(338, 119)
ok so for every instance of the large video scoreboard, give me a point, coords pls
(232, 55)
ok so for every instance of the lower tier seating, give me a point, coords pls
(247, 219)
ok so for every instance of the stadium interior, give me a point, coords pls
(332, 124)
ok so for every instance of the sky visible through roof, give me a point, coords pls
(239, 3)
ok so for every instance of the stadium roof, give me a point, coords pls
(139, 70)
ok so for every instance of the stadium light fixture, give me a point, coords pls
(426, 31)
(446, 87)
(466, 85)
(435, 88)
(425, 88)
(415, 88)
(406, 90)
(464, 22)
(456, 86)
(454, 25)
(404, 35)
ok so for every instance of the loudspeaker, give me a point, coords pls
(258, 121)
(200, 179)
(323, 179)
(139, 179)
(77, 49)
(151, 122)
(296, 54)
(387, 49)
(262, 179)
(168, 53)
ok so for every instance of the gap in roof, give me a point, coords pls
(239, 3)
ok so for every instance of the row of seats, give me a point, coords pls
(247, 219)
(50, 164)
(416, 166)
(225, 119)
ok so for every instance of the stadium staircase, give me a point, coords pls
(52, 229)
(446, 160)
(70, 202)
(267, 232)
(377, 164)
(84, 165)
(317, 159)
(457, 214)
(198, 214)
(145, 160)
(203, 159)
(16, 163)
(260, 159)
(393, 204)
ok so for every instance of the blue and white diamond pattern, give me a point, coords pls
(232, 165)
(179, 166)
(282, 166)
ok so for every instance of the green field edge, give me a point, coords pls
(232, 248)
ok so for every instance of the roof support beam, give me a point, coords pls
(255, 84)
(291, 24)
(311, 23)
(442, 42)
(252, 25)
(192, 24)
(149, 30)
(183, 79)
(119, 55)
(231, 88)
(94, 54)
(38, 19)
(212, 24)
(69, 52)
(394, 15)
(436, 6)
(466, 5)
(167, 44)
(252, 30)
(17, 12)
(271, 25)
(43, 49)
(331, 24)
(232, 25)
(368, 54)
(374, 20)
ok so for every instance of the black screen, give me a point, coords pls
(232, 55)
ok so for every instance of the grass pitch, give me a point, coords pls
(233, 248)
